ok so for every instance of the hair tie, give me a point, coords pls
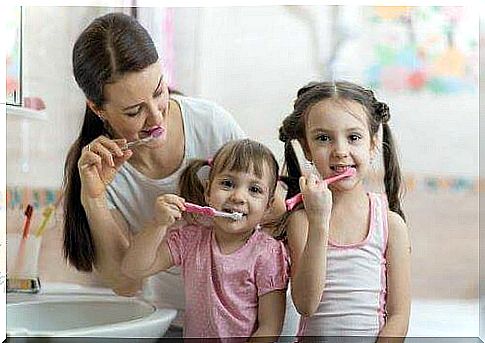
(210, 162)
(382, 111)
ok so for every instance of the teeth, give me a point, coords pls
(340, 169)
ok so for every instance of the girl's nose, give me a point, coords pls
(238, 196)
(341, 150)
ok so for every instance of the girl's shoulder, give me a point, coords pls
(265, 244)
(189, 230)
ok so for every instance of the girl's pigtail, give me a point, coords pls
(294, 171)
(392, 175)
(78, 247)
(190, 186)
(292, 181)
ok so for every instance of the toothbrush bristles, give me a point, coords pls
(237, 216)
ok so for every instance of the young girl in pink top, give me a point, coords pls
(350, 249)
(235, 275)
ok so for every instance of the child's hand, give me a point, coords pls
(168, 209)
(316, 197)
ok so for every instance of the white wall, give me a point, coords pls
(251, 60)
(36, 150)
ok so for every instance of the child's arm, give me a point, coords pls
(148, 254)
(271, 314)
(398, 281)
(308, 233)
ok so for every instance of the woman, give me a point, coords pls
(110, 189)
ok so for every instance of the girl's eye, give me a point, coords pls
(226, 183)
(255, 189)
(322, 138)
(354, 137)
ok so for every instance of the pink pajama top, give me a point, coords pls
(222, 291)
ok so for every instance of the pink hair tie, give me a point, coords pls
(209, 162)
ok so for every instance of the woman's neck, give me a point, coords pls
(158, 163)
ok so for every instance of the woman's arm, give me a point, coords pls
(271, 314)
(398, 281)
(111, 240)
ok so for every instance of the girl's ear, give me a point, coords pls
(98, 111)
(270, 206)
(374, 146)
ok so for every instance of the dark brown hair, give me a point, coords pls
(110, 46)
(244, 155)
(377, 114)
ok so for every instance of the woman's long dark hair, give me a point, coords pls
(110, 46)
(293, 128)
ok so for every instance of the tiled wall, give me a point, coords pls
(443, 228)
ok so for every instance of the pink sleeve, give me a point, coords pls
(179, 241)
(272, 269)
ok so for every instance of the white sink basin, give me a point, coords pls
(85, 315)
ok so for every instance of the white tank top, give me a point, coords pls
(354, 298)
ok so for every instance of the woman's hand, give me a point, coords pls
(99, 162)
(168, 209)
(316, 197)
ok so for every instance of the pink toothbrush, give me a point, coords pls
(209, 211)
(292, 202)
(153, 133)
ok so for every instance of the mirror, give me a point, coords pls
(13, 41)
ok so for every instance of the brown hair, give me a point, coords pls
(377, 114)
(244, 155)
(110, 46)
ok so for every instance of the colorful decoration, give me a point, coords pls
(168, 47)
(424, 49)
(441, 183)
(20, 197)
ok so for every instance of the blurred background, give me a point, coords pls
(421, 61)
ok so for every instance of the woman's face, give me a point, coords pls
(136, 103)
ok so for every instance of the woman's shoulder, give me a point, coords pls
(199, 107)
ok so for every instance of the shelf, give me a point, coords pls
(26, 112)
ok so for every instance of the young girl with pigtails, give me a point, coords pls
(349, 248)
(235, 275)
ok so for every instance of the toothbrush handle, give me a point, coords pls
(137, 142)
(193, 208)
(292, 202)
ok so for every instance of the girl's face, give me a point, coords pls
(240, 192)
(337, 138)
(136, 103)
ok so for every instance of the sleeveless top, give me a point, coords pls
(354, 298)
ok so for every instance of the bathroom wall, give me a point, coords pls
(253, 69)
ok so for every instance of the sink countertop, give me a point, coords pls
(54, 288)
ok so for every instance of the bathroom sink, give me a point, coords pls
(75, 314)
